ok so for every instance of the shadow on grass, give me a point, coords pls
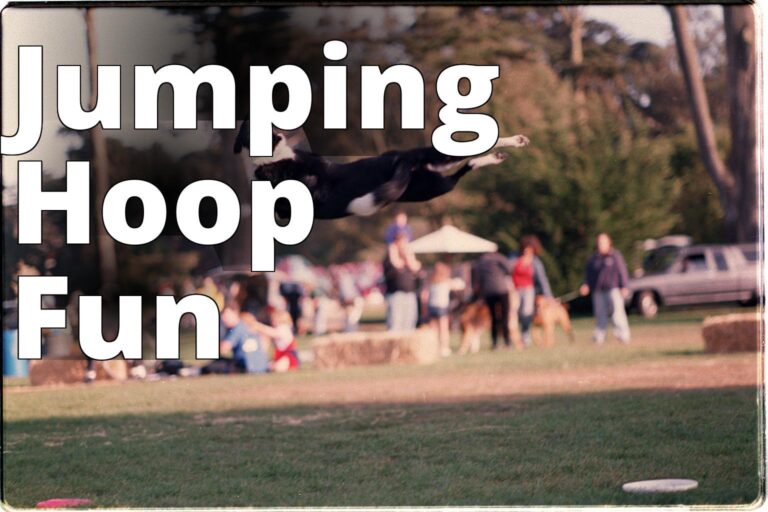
(683, 352)
(531, 451)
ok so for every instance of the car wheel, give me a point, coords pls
(754, 300)
(647, 304)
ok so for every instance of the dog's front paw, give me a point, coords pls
(515, 141)
(519, 141)
(489, 159)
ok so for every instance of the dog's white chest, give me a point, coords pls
(364, 205)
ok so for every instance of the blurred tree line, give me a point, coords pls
(613, 146)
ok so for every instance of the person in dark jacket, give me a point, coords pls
(608, 281)
(490, 279)
(400, 278)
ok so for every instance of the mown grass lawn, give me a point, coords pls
(553, 450)
(203, 442)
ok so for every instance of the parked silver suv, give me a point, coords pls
(696, 274)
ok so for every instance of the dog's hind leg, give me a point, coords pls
(565, 323)
(475, 346)
(426, 185)
(430, 159)
(386, 193)
(465, 341)
(549, 334)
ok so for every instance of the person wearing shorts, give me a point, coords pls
(440, 287)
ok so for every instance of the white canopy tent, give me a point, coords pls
(451, 240)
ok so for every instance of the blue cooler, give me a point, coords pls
(12, 365)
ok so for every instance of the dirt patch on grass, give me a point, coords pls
(710, 372)
(677, 373)
(666, 357)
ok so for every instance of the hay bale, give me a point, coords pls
(366, 348)
(732, 333)
(70, 371)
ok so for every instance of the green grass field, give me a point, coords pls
(257, 441)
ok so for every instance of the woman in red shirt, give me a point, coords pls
(528, 274)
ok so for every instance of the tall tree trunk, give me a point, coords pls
(105, 243)
(742, 160)
(235, 253)
(573, 17)
(736, 181)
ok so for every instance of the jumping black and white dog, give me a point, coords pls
(365, 186)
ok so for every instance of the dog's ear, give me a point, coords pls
(243, 138)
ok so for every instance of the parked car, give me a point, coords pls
(696, 274)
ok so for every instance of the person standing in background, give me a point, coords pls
(400, 268)
(530, 279)
(293, 292)
(322, 305)
(441, 285)
(349, 295)
(607, 281)
(490, 280)
(400, 225)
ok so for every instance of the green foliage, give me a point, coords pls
(614, 155)
(700, 213)
(614, 158)
(572, 183)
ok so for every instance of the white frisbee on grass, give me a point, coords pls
(661, 485)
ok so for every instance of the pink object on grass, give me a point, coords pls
(64, 503)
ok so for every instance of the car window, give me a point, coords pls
(720, 261)
(751, 254)
(659, 260)
(695, 262)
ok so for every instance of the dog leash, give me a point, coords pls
(568, 297)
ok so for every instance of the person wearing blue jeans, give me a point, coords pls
(400, 269)
(608, 281)
(529, 278)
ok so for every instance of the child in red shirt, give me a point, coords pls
(285, 357)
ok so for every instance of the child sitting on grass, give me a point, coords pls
(241, 349)
(280, 332)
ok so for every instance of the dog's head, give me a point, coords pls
(280, 148)
(243, 139)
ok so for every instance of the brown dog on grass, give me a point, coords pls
(549, 313)
(476, 319)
